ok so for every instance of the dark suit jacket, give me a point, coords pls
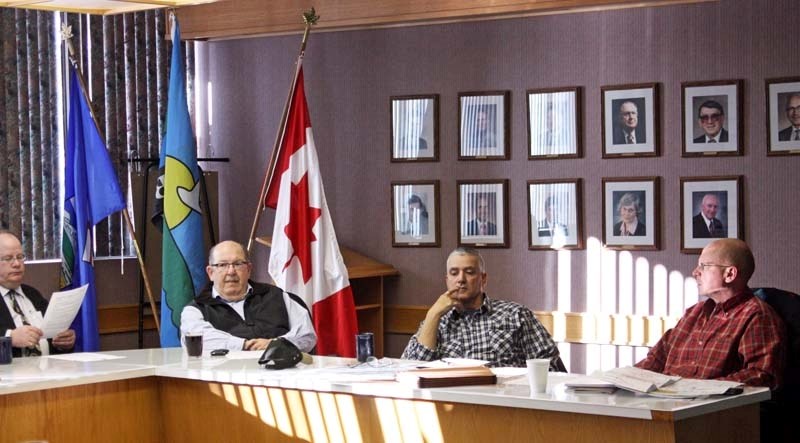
(7, 321)
(546, 231)
(723, 137)
(700, 230)
(785, 134)
(641, 230)
(472, 228)
(619, 135)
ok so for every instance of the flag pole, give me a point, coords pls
(66, 35)
(309, 18)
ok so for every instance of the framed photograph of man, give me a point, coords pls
(415, 213)
(554, 123)
(631, 213)
(711, 207)
(415, 128)
(713, 123)
(555, 219)
(783, 116)
(483, 213)
(484, 125)
(629, 120)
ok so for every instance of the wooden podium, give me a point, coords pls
(366, 280)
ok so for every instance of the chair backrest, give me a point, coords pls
(787, 305)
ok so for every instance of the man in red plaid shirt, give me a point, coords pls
(733, 335)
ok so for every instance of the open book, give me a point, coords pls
(652, 383)
(452, 376)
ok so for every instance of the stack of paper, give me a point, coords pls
(454, 376)
(652, 383)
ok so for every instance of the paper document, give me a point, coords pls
(635, 379)
(61, 310)
(691, 388)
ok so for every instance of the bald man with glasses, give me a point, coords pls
(792, 132)
(236, 313)
(23, 306)
(730, 334)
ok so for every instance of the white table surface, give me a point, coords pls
(330, 374)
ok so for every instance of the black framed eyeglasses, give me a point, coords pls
(710, 117)
(237, 265)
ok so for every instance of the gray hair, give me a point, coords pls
(629, 199)
(472, 252)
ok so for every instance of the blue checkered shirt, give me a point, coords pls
(503, 332)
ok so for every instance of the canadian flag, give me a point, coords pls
(305, 258)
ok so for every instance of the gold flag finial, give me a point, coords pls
(310, 17)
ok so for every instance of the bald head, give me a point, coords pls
(735, 252)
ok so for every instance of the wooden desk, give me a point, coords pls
(160, 395)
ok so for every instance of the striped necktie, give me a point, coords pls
(32, 350)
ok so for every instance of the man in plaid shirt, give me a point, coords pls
(733, 335)
(465, 323)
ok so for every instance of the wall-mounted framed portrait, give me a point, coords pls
(484, 125)
(783, 116)
(713, 122)
(555, 218)
(415, 128)
(554, 123)
(631, 213)
(483, 213)
(415, 213)
(629, 120)
(711, 207)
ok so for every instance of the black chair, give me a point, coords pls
(778, 415)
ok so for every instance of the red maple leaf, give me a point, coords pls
(302, 218)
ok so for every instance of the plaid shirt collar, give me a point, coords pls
(728, 305)
(485, 309)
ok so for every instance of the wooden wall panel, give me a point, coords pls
(243, 18)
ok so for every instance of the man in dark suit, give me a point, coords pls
(792, 132)
(23, 306)
(629, 209)
(711, 118)
(706, 224)
(549, 227)
(481, 224)
(626, 127)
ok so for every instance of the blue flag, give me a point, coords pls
(92, 193)
(182, 249)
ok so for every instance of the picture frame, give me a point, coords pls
(415, 213)
(483, 213)
(554, 123)
(630, 121)
(712, 111)
(483, 125)
(783, 116)
(415, 128)
(555, 214)
(711, 207)
(631, 213)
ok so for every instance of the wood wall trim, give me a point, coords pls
(250, 18)
(565, 327)
(112, 319)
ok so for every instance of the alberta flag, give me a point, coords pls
(305, 258)
(91, 194)
(182, 249)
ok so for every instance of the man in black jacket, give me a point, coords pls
(236, 313)
(23, 306)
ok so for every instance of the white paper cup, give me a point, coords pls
(537, 374)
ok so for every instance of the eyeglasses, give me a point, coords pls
(710, 117)
(703, 266)
(237, 265)
(10, 258)
(793, 109)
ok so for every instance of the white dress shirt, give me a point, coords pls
(301, 333)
